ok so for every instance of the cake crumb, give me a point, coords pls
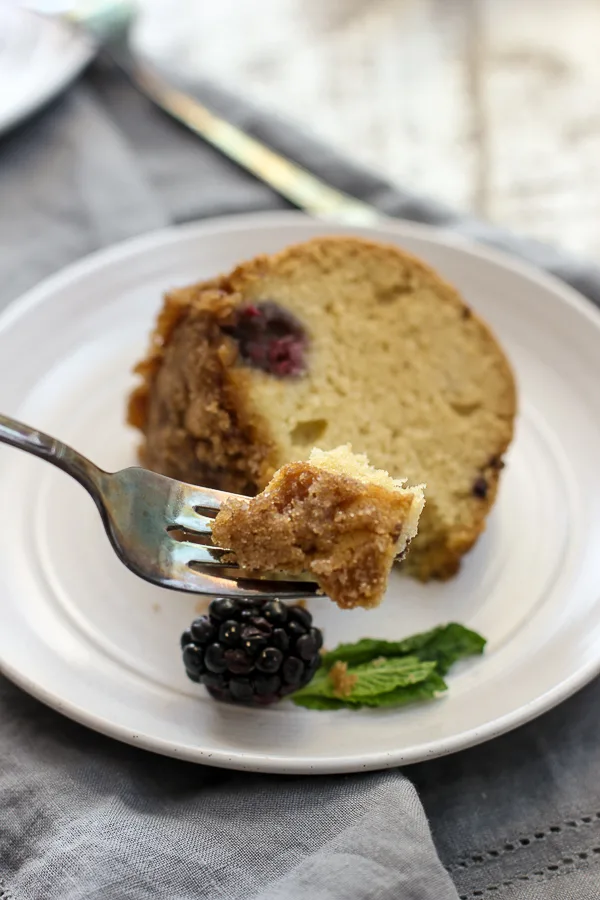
(156, 607)
(202, 605)
(333, 517)
(342, 681)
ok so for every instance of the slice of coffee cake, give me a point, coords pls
(334, 341)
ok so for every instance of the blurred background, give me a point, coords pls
(488, 105)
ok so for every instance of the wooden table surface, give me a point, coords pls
(489, 105)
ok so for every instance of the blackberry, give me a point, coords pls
(251, 652)
(270, 338)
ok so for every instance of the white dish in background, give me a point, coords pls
(84, 635)
(39, 57)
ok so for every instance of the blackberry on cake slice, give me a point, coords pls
(333, 516)
(333, 341)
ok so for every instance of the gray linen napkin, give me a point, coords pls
(85, 818)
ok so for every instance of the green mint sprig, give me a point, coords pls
(377, 673)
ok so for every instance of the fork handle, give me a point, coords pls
(16, 434)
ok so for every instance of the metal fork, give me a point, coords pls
(158, 527)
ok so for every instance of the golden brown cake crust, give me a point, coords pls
(342, 531)
(209, 419)
(191, 404)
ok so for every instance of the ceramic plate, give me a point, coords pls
(39, 57)
(84, 635)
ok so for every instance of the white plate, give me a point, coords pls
(39, 57)
(87, 637)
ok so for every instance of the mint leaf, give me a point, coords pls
(450, 643)
(433, 685)
(373, 679)
(443, 645)
(389, 673)
(365, 650)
